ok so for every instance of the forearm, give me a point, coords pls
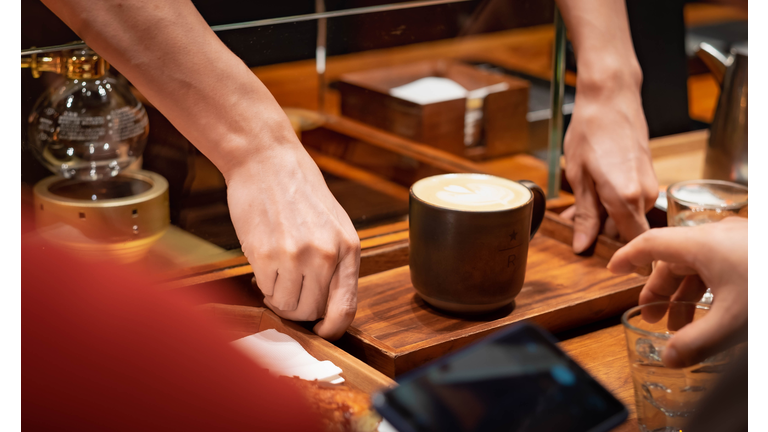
(171, 55)
(605, 56)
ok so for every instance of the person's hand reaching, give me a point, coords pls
(302, 246)
(690, 260)
(608, 162)
(608, 165)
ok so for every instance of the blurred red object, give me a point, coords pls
(103, 350)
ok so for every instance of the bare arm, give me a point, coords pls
(608, 161)
(303, 248)
(167, 50)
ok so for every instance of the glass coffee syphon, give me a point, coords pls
(88, 126)
(90, 131)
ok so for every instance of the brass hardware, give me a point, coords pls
(78, 64)
(121, 227)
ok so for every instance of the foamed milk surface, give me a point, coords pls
(471, 192)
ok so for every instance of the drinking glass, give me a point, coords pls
(667, 398)
(696, 202)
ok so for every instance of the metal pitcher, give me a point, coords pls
(727, 149)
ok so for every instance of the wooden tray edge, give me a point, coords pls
(254, 319)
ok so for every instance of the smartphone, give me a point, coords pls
(514, 380)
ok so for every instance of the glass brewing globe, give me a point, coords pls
(88, 128)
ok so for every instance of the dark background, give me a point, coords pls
(657, 28)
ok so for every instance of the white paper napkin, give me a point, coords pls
(282, 355)
(429, 90)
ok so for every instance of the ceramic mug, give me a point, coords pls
(469, 237)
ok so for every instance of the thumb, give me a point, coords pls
(699, 340)
(586, 221)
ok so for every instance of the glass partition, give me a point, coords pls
(352, 76)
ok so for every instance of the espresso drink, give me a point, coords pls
(469, 236)
(471, 192)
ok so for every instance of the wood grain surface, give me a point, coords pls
(242, 321)
(395, 330)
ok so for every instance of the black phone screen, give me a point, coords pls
(517, 381)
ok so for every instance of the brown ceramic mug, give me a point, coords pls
(469, 236)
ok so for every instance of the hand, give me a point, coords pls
(608, 163)
(302, 246)
(692, 259)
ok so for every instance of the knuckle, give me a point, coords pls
(650, 238)
(263, 253)
(350, 244)
(327, 255)
(632, 195)
(294, 252)
(348, 311)
(572, 174)
(586, 215)
(348, 307)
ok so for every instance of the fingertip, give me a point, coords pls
(581, 242)
(613, 267)
(324, 331)
(617, 265)
(671, 358)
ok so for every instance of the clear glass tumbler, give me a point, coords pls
(696, 202)
(667, 398)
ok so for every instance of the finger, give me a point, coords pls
(701, 339)
(342, 300)
(610, 230)
(313, 299)
(673, 245)
(630, 222)
(682, 269)
(680, 315)
(265, 275)
(586, 219)
(650, 185)
(264, 271)
(660, 287)
(627, 209)
(691, 289)
(287, 289)
(309, 307)
(569, 213)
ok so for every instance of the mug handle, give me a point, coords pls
(539, 204)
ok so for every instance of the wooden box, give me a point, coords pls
(365, 97)
(245, 320)
(395, 330)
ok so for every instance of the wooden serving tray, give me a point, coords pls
(395, 330)
(245, 320)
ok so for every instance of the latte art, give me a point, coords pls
(472, 192)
